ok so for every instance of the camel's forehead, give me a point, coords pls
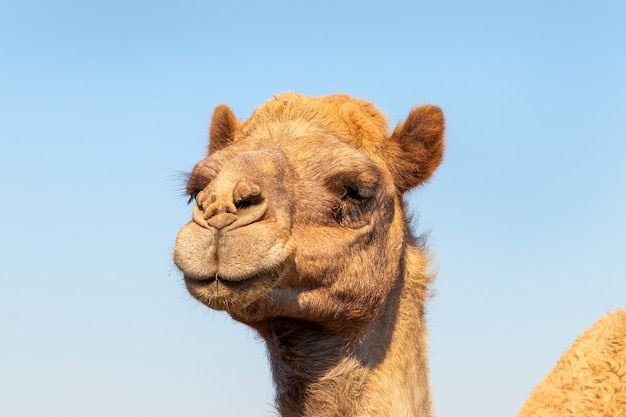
(290, 116)
(309, 149)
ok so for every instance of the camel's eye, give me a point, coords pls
(200, 177)
(355, 191)
(193, 195)
(195, 184)
(354, 185)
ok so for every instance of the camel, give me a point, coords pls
(299, 231)
(590, 378)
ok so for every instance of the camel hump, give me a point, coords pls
(590, 377)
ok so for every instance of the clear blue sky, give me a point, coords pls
(104, 104)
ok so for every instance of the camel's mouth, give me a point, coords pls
(220, 293)
(230, 271)
(218, 281)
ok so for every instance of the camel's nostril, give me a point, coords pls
(209, 212)
(246, 195)
(233, 203)
(244, 190)
(242, 204)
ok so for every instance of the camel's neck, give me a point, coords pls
(379, 371)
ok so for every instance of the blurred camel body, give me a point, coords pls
(590, 378)
(299, 231)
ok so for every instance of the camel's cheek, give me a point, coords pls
(195, 251)
(258, 249)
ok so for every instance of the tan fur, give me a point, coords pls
(590, 378)
(299, 231)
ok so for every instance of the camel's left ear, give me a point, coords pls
(420, 140)
(224, 126)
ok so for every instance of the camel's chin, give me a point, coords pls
(228, 295)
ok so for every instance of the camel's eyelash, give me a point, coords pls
(195, 184)
(354, 189)
(182, 182)
(192, 197)
(192, 188)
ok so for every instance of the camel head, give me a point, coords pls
(298, 211)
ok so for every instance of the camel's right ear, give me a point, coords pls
(224, 126)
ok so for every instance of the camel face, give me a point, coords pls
(298, 211)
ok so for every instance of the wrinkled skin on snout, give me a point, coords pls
(294, 208)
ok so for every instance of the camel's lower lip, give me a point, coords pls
(219, 293)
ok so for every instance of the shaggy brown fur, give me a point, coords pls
(299, 231)
(590, 379)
